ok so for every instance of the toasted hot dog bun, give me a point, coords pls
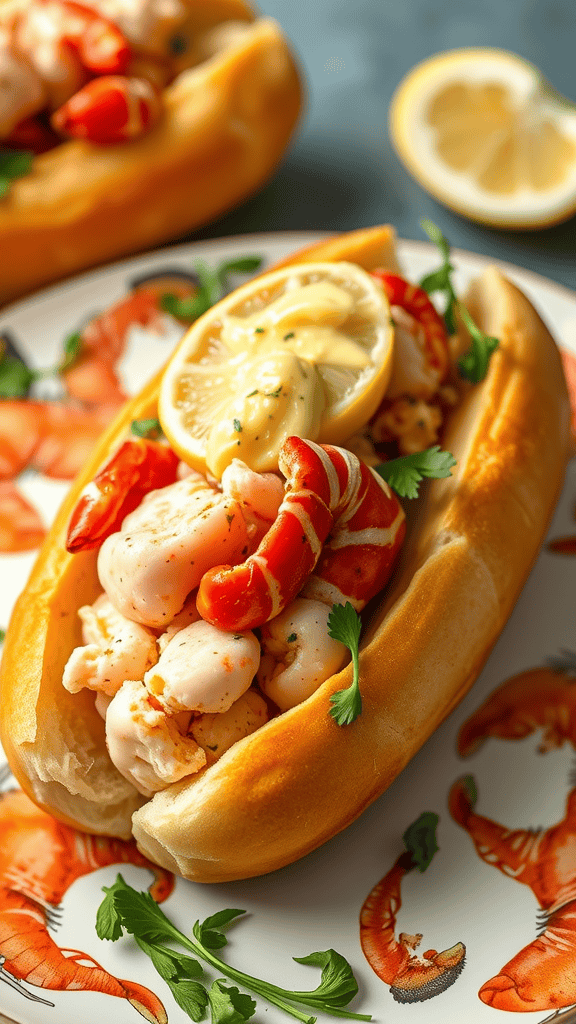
(225, 126)
(301, 778)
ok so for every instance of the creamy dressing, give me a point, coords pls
(278, 349)
(283, 395)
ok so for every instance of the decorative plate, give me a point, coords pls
(487, 930)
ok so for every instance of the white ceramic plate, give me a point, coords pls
(315, 904)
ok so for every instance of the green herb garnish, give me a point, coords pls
(212, 286)
(473, 366)
(2, 635)
(237, 426)
(72, 347)
(420, 839)
(14, 163)
(16, 378)
(405, 474)
(469, 784)
(125, 909)
(146, 428)
(344, 624)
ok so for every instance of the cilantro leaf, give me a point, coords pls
(191, 996)
(14, 163)
(178, 971)
(405, 474)
(2, 635)
(441, 280)
(108, 920)
(184, 309)
(243, 265)
(228, 1005)
(137, 913)
(209, 933)
(473, 366)
(344, 624)
(146, 428)
(470, 786)
(420, 839)
(72, 349)
(211, 288)
(164, 960)
(15, 378)
(338, 984)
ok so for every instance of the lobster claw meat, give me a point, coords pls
(136, 468)
(109, 109)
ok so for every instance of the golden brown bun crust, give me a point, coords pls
(225, 127)
(283, 791)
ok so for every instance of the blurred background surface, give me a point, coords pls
(341, 171)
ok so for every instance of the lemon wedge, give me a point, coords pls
(304, 350)
(486, 134)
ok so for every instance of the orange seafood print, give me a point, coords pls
(412, 977)
(542, 976)
(39, 860)
(540, 698)
(56, 437)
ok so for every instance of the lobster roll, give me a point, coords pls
(124, 125)
(218, 560)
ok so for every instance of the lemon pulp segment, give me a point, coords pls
(483, 132)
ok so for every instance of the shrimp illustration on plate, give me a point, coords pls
(412, 977)
(542, 976)
(40, 858)
(55, 437)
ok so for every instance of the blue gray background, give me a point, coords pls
(341, 171)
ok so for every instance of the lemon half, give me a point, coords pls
(302, 350)
(486, 134)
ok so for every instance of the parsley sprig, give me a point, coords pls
(405, 474)
(14, 163)
(473, 365)
(126, 909)
(213, 284)
(16, 378)
(345, 624)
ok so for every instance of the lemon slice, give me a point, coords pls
(483, 132)
(302, 350)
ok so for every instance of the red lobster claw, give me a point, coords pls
(109, 109)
